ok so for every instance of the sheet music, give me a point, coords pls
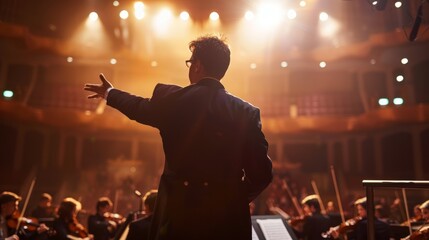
(274, 229)
(254, 235)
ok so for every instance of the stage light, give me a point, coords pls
(7, 93)
(138, 5)
(302, 3)
(113, 61)
(69, 59)
(115, 3)
(214, 16)
(398, 4)
(404, 61)
(283, 64)
(323, 16)
(93, 16)
(123, 14)
(184, 16)
(398, 101)
(322, 64)
(399, 78)
(383, 101)
(249, 15)
(139, 10)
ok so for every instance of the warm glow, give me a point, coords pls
(90, 37)
(249, 15)
(69, 59)
(322, 64)
(138, 5)
(283, 64)
(113, 61)
(404, 61)
(302, 3)
(291, 14)
(154, 64)
(115, 3)
(162, 21)
(184, 16)
(139, 10)
(270, 14)
(123, 14)
(328, 26)
(214, 16)
(253, 66)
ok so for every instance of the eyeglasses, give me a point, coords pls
(189, 63)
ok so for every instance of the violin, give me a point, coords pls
(421, 234)
(77, 229)
(115, 217)
(343, 228)
(413, 220)
(27, 224)
(294, 221)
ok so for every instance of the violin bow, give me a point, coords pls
(316, 191)
(294, 200)
(404, 195)
(115, 202)
(24, 208)
(340, 205)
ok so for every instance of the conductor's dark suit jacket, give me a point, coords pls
(215, 159)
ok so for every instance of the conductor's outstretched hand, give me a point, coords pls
(99, 90)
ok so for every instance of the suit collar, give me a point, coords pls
(211, 82)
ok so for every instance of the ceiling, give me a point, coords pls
(356, 22)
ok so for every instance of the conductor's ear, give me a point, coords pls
(198, 66)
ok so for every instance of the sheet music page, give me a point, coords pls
(274, 229)
(254, 235)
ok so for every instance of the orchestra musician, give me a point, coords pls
(314, 222)
(8, 205)
(139, 229)
(417, 219)
(44, 209)
(423, 232)
(101, 224)
(11, 221)
(66, 224)
(358, 227)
